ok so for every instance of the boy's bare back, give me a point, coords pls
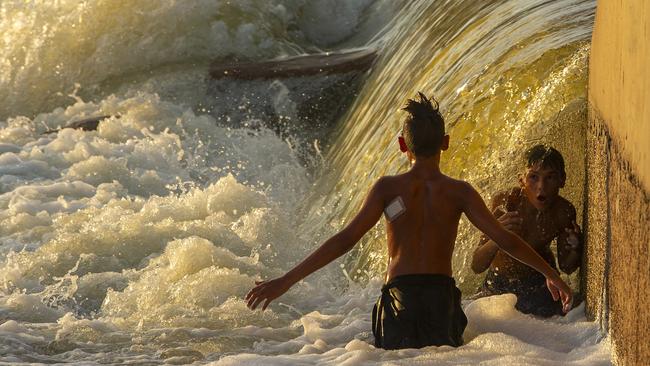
(421, 239)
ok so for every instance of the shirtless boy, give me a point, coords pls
(420, 304)
(536, 212)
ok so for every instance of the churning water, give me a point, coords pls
(135, 243)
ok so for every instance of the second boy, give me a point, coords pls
(536, 212)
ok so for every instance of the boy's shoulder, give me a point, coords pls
(387, 181)
(387, 184)
(403, 177)
(399, 181)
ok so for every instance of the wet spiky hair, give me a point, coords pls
(424, 128)
(547, 156)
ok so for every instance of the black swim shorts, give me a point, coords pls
(418, 310)
(533, 296)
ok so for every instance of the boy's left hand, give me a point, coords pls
(573, 236)
(266, 291)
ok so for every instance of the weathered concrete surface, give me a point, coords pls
(617, 229)
(617, 264)
(619, 83)
(596, 220)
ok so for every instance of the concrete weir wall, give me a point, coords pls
(616, 271)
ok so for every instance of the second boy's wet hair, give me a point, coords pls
(547, 156)
(424, 129)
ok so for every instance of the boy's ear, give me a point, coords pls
(445, 143)
(563, 180)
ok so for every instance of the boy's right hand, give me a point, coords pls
(511, 221)
(560, 291)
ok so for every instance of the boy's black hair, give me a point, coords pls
(424, 129)
(547, 156)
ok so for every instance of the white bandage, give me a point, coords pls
(394, 209)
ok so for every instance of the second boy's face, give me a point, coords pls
(542, 185)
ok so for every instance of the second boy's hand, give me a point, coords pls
(573, 236)
(511, 221)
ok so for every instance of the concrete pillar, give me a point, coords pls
(616, 270)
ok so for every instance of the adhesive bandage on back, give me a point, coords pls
(394, 209)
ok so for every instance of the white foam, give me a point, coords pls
(496, 334)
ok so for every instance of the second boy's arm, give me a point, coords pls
(334, 247)
(482, 218)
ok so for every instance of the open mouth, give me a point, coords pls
(541, 198)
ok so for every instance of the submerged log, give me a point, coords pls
(303, 65)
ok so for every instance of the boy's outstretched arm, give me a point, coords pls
(482, 218)
(332, 248)
(487, 249)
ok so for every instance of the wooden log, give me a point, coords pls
(303, 65)
(88, 124)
